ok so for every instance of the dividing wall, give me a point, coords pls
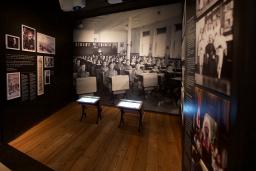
(218, 106)
(208, 72)
(36, 64)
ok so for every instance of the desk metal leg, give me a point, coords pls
(121, 119)
(83, 112)
(99, 113)
(113, 98)
(140, 120)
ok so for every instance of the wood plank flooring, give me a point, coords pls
(62, 142)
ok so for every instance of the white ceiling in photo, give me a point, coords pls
(139, 18)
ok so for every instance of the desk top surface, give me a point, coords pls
(130, 104)
(89, 99)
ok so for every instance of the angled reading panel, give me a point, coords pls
(86, 85)
(120, 82)
(150, 80)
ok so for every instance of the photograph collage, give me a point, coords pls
(214, 56)
(31, 41)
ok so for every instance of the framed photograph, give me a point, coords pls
(48, 62)
(40, 78)
(45, 44)
(13, 85)
(214, 51)
(28, 38)
(47, 77)
(12, 42)
(211, 127)
(203, 5)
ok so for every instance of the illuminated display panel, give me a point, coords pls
(88, 99)
(130, 104)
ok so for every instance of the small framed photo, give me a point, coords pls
(28, 38)
(48, 62)
(13, 85)
(40, 75)
(47, 77)
(12, 42)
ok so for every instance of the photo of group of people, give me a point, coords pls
(144, 57)
(13, 85)
(214, 43)
(211, 124)
(104, 66)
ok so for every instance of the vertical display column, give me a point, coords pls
(189, 83)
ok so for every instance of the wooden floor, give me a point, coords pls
(62, 142)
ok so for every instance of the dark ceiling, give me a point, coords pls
(101, 7)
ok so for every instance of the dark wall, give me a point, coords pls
(47, 18)
(243, 142)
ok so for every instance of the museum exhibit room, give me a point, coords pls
(127, 85)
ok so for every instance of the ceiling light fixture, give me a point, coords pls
(115, 1)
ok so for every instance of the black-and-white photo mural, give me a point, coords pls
(134, 55)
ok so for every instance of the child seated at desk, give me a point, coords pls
(155, 69)
(127, 65)
(110, 73)
(82, 72)
(170, 69)
(135, 72)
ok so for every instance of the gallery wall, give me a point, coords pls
(242, 148)
(38, 92)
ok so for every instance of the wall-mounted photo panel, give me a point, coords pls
(48, 61)
(45, 44)
(203, 5)
(13, 85)
(211, 125)
(214, 49)
(47, 77)
(12, 42)
(28, 38)
(133, 43)
(40, 75)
